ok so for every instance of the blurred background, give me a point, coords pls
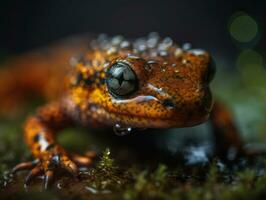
(222, 27)
(233, 31)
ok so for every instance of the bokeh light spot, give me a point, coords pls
(243, 28)
(250, 65)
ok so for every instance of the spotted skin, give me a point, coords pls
(173, 91)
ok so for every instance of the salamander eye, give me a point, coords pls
(121, 80)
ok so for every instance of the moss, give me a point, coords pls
(110, 180)
(106, 163)
(106, 176)
(147, 185)
(107, 180)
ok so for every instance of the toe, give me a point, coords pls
(70, 166)
(37, 170)
(24, 166)
(48, 178)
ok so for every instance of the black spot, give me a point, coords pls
(79, 78)
(36, 137)
(88, 82)
(168, 103)
(51, 165)
(102, 81)
(49, 147)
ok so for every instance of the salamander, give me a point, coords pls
(149, 82)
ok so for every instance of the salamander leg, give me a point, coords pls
(39, 133)
(228, 143)
(50, 155)
(24, 166)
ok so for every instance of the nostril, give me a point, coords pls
(168, 103)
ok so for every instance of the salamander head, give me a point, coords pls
(152, 82)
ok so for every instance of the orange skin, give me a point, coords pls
(172, 91)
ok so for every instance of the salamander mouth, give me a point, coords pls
(110, 118)
(176, 117)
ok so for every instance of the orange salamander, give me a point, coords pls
(149, 82)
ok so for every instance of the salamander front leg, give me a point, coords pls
(39, 133)
(49, 155)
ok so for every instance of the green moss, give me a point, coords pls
(106, 163)
(106, 176)
(147, 185)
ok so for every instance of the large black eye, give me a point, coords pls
(121, 80)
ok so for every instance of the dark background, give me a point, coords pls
(28, 24)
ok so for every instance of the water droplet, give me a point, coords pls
(163, 53)
(111, 51)
(165, 44)
(116, 40)
(150, 62)
(168, 41)
(102, 41)
(102, 37)
(142, 47)
(153, 35)
(130, 56)
(125, 45)
(152, 42)
(138, 42)
(197, 52)
(121, 131)
(186, 46)
(153, 39)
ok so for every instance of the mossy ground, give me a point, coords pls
(129, 176)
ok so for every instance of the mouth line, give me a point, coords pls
(102, 108)
(154, 122)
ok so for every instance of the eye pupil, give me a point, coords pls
(122, 80)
